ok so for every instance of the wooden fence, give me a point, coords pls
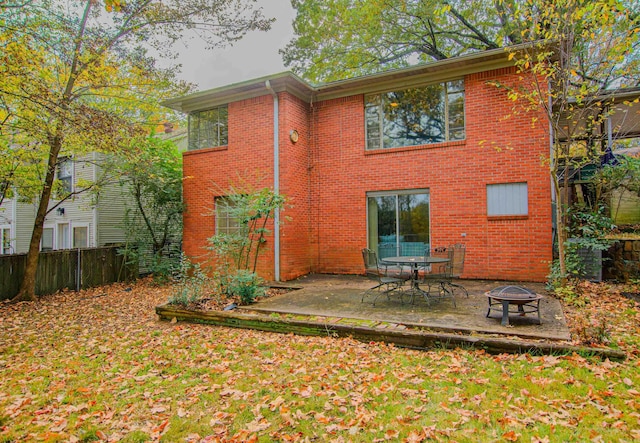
(70, 268)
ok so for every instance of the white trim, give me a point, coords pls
(12, 238)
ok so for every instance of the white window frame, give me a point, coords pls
(3, 229)
(508, 199)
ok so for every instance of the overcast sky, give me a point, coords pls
(256, 55)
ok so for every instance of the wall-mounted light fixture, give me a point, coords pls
(293, 136)
(60, 211)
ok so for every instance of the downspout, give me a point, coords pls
(276, 181)
(552, 159)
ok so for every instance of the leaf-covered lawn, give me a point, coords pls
(98, 366)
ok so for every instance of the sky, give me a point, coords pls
(256, 55)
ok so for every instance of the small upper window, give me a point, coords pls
(418, 116)
(65, 174)
(208, 129)
(507, 199)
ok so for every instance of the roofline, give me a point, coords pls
(413, 76)
(280, 82)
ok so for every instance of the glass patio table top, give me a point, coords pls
(415, 261)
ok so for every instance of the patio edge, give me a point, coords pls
(396, 334)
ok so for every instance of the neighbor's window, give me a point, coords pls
(5, 240)
(65, 174)
(418, 116)
(226, 220)
(46, 243)
(80, 236)
(208, 129)
(507, 199)
(63, 236)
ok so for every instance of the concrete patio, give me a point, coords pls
(339, 297)
(329, 305)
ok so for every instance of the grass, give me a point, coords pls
(75, 368)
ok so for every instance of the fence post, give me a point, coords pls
(79, 271)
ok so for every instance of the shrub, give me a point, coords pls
(192, 284)
(246, 285)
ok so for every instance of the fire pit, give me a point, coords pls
(525, 301)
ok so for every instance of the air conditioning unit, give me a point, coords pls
(592, 260)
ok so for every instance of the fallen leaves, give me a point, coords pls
(78, 367)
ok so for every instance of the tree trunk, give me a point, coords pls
(28, 286)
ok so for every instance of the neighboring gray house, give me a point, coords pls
(76, 222)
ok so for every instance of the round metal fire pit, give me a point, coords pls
(524, 300)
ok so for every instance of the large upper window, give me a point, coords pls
(418, 116)
(208, 129)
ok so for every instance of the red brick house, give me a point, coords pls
(424, 156)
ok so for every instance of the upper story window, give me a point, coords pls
(65, 175)
(208, 129)
(418, 116)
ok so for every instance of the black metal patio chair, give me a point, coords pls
(457, 265)
(438, 277)
(385, 284)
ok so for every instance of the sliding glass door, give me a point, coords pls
(398, 222)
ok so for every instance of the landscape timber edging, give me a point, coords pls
(399, 336)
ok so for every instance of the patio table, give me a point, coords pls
(415, 261)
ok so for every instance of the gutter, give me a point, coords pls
(276, 180)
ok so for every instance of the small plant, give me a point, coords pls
(246, 285)
(571, 294)
(593, 330)
(192, 284)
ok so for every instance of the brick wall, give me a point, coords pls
(327, 174)
(498, 149)
(246, 161)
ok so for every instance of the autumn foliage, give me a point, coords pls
(98, 366)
